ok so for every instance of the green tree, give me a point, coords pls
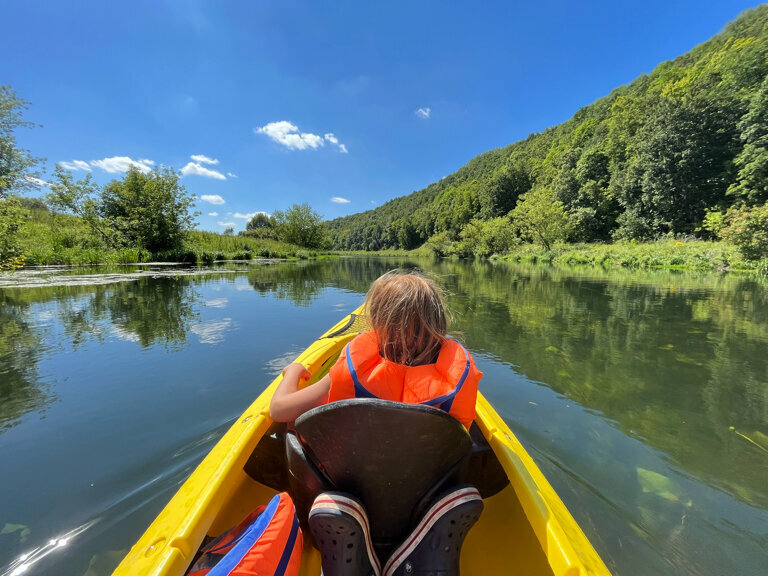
(747, 228)
(16, 174)
(259, 220)
(300, 225)
(11, 219)
(499, 195)
(496, 237)
(16, 165)
(151, 210)
(752, 162)
(81, 198)
(440, 244)
(683, 153)
(540, 217)
(405, 234)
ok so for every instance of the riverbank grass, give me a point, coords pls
(45, 239)
(673, 254)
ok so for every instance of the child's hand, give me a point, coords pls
(297, 370)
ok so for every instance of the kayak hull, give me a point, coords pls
(525, 528)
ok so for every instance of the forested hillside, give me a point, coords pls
(672, 152)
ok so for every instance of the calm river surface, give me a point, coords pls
(643, 396)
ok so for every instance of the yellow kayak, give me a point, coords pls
(524, 529)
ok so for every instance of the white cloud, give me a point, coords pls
(36, 181)
(212, 331)
(76, 165)
(212, 199)
(117, 164)
(276, 365)
(217, 303)
(231, 175)
(289, 135)
(226, 224)
(124, 334)
(339, 200)
(199, 170)
(201, 159)
(424, 113)
(246, 216)
(330, 137)
(213, 213)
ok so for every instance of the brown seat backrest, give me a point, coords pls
(388, 454)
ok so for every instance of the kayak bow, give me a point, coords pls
(525, 527)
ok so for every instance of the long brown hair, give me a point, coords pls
(408, 313)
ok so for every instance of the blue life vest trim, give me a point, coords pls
(445, 401)
(360, 390)
(245, 541)
(288, 550)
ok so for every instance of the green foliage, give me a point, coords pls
(713, 224)
(81, 198)
(541, 218)
(11, 218)
(260, 233)
(146, 211)
(498, 196)
(151, 210)
(16, 165)
(260, 226)
(695, 254)
(300, 225)
(747, 228)
(752, 162)
(259, 221)
(680, 166)
(440, 244)
(645, 161)
(482, 238)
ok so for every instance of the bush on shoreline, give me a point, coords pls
(694, 254)
(47, 239)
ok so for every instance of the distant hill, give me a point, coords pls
(648, 159)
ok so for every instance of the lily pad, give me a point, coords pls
(22, 529)
(658, 484)
(105, 563)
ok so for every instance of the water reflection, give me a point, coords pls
(146, 311)
(20, 346)
(644, 393)
(674, 359)
(27, 561)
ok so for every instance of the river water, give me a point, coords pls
(643, 396)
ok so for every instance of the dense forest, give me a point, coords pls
(682, 151)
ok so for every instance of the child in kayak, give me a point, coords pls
(406, 357)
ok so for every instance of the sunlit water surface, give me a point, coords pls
(643, 397)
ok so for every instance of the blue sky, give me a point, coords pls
(343, 105)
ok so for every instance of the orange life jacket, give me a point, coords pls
(267, 543)
(449, 384)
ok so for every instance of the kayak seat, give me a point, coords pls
(394, 457)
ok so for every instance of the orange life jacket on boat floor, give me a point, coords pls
(267, 543)
(449, 384)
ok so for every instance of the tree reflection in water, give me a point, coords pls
(675, 359)
(147, 311)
